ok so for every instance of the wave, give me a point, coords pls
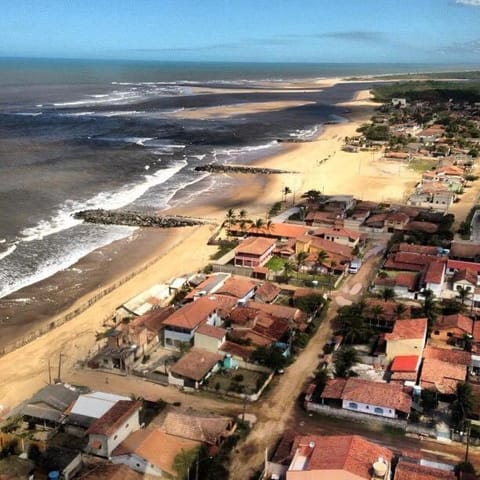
(29, 114)
(239, 151)
(8, 251)
(63, 217)
(307, 133)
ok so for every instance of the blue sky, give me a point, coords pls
(437, 31)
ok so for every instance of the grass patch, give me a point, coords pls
(223, 248)
(422, 164)
(275, 264)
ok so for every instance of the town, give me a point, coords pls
(336, 336)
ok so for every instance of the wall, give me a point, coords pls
(354, 416)
(138, 464)
(369, 409)
(404, 347)
(206, 342)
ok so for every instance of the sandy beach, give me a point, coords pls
(160, 256)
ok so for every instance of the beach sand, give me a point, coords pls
(25, 370)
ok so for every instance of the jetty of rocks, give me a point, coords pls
(214, 168)
(136, 219)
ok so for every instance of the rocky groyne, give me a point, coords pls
(213, 168)
(136, 219)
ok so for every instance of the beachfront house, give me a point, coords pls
(254, 252)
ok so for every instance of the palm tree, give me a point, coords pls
(376, 311)
(230, 216)
(286, 191)
(242, 214)
(242, 225)
(388, 294)
(269, 225)
(322, 255)
(463, 404)
(259, 224)
(312, 195)
(288, 269)
(301, 259)
(399, 310)
(463, 293)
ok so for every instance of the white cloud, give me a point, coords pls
(472, 3)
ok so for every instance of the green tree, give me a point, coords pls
(286, 191)
(288, 269)
(271, 357)
(322, 256)
(230, 216)
(343, 360)
(387, 294)
(377, 311)
(463, 404)
(312, 195)
(429, 400)
(399, 310)
(259, 224)
(300, 260)
(183, 462)
(463, 293)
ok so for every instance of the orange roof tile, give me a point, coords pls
(276, 230)
(196, 364)
(406, 470)
(456, 320)
(441, 376)
(405, 363)
(267, 292)
(349, 453)
(237, 287)
(108, 471)
(435, 272)
(408, 329)
(155, 446)
(337, 231)
(459, 357)
(255, 246)
(193, 314)
(210, 331)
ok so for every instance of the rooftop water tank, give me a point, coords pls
(380, 468)
(54, 475)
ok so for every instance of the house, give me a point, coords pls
(194, 368)
(322, 218)
(340, 254)
(338, 457)
(108, 431)
(433, 277)
(279, 231)
(452, 326)
(396, 221)
(448, 355)
(390, 312)
(267, 293)
(241, 288)
(340, 235)
(152, 452)
(408, 469)
(364, 396)
(430, 134)
(294, 316)
(466, 280)
(399, 102)
(407, 338)
(206, 286)
(254, 252)
(49, 405)
(181, 325)
(464, 250)
(404, 284)
(210, 430)
(87, 408)
(402, 156)
(441, 376)
(436, 196)
(404, 368)
(208, 337)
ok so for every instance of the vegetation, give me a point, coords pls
(275, 264)
(430, 90)
(463, 404)
(223, 248)
(309, 304)
(270, 357)
(375, 132)
(344, 359)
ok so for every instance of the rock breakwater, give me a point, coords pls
(213, 168)
(136, 219)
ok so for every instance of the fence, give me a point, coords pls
(31, 336)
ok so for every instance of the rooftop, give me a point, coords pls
(278, 230)
(407, 329)
(442, 376)
(407, 470)
(237, 287)
(267, 292)
(113, 419)
(405, 363)
(456, 320)
(347, 453)
(95, 404)
(448, 355)
(255, 246)
(211, 331)
(434, 272)
(196, 364)
(193, 314)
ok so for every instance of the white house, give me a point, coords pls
(112, 428)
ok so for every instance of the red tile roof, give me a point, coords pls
(114, 418)
(418, 249)
(327, 245)
(211, 331)
(460, 265)
(465, 276)
(407, 329)
(405, 363)
(267, 292)
(241, 351)
(406, 470)
(416, 226)
(193, 314)
(456, 320)
(292, 314)
(388, 308)
(237, 287)
(435, 272)
(459, 357)
(255, 246)
(387, 395)
(196, 364)
(441, 376)
(337, 231)
(349, 453)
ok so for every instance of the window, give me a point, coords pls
(127, 425)
(449, 334)
(352, 405)
(378, 410)
(436, 332)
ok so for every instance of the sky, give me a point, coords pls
(344, 31)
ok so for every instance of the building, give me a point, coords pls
(267, 292)
(152, 452)
(194, 368)
(209, 338)
(449, 327)
(364, 396)
(254, 252)
(339, 235)
(434, 277)
(180, 327)
(404, 368)
(338, 457)
(407, 338)
(441, 377)
(241, 288)
(113, 427)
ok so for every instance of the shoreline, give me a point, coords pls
(186, 252)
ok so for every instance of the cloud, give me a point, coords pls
(351, 36)
(470, 3)
(470, 47)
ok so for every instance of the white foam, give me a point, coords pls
(8, 251)
(63, 217)
(28, 114)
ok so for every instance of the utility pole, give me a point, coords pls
(469, 428)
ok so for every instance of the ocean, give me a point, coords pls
(80, 134)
